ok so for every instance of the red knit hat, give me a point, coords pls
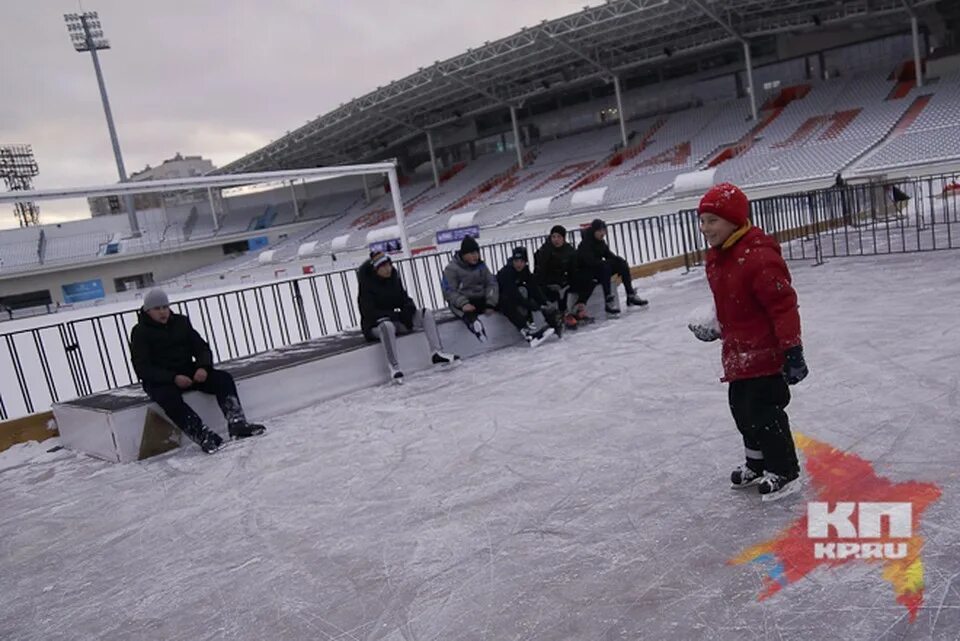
(727, 201)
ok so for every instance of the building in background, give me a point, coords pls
(177, 167)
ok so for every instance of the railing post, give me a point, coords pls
(301, 312)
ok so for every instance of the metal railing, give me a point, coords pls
(58, 361)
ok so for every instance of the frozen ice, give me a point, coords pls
(575, 492)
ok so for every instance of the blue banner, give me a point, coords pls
(85, 290)
(456, 235)
(387, 246)
(257, 243)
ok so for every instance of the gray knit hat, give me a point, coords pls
(155, 298)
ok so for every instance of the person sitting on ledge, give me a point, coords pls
(386, 309)
(599, 263)
(469, 287)
(171, 358)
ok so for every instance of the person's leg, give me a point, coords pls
(602, 275)
(170, 399)
(770, 399)
(620, 267)
(739, 395)
(516, 313)
(386, 332)
(556, 294)
(220, 383)
(423, 319)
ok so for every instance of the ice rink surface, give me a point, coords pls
(576, 492)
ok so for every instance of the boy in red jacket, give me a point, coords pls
(758, 321)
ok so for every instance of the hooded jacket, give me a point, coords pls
(756, 305)
(510, 281)
(161, 352)
(382, 298)
(462, 281)
(555, 266)
(591, 253)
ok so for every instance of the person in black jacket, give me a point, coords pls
(386, 308)
(520, 296)
(558, 277)
(171, 358)
(598, 263)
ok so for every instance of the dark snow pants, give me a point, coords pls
(758, 406)
(607, 269)
(170, 398)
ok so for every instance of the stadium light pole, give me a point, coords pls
(296, 204)
(516, 136)
(620, 114)
(86, 33)
(433, 159)
(750, 88)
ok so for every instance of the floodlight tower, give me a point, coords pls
(86, 33)
(18, 168)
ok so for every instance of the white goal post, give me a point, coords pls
(219, 182)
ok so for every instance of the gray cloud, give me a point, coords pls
(215, 78)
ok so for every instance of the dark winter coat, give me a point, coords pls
(462, 281)
(381, 298)
(756, 305)
(510, 281)
(161, 352)
(555, 266)
(592, 253)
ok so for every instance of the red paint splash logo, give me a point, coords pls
(841, 477)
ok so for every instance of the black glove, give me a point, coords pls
(794, 367)
(704, 333)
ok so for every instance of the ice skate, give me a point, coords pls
(634, 300)
(445, 360)
(743, 477)
(773, 487)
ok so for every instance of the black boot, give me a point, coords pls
(635, 300)
(197, 432)
(243, 429)
(210, 442)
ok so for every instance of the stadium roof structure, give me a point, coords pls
(598, 42)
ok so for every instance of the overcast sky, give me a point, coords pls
(213, 77)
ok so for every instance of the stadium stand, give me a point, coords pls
(20, 247)
(927, 132)
(854, 108)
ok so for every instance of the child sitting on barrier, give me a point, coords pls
(386, 308)
(520, 296)
(557, 274)
(758, 321)
(171, 358)
(596, 261)
(469, 287)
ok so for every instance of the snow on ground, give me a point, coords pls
(576, 492)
